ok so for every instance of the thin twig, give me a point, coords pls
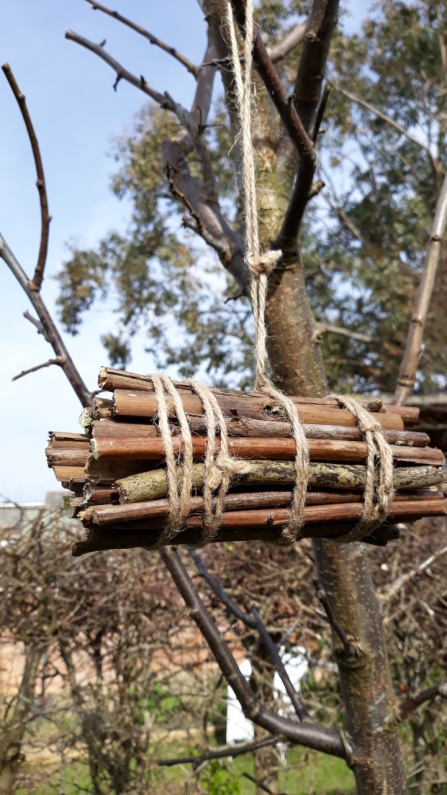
(178, 194)
(153, 39)
(404, 710)
(270, 646)
(47, 325)
(36, 281)
(221, 753)
(320, 112)
(347, 642)
(260, 784)
(59, 360)
(310, 735)
(435, 165)
(404, 579)
(220, 592)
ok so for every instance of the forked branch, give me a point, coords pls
(153, 39)
(310, 735)
(36, 281)
(404, 710)
(46, 326)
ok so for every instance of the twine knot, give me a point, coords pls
(263, 264)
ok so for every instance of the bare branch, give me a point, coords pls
(49, 329)
(164, 100)
(153, 39)
(260, 784)
(59, 360)
(323, 328)
(319, 29)
(435, 165)
(298, 705)
(413, 346)
(310, 735)
(220, 592)
(36, 323)
(320, 112)
(404, 579)
(237, 749)
(205, 82)
(292, 39)
(36, 281)
(286, 109)
(348, 643)
(403, 711)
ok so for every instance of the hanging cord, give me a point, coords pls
(261, 264)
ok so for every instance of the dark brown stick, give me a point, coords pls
(153, 39)
(36, 281)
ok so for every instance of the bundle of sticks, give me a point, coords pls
(117, 475)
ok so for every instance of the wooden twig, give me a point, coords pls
(402, 130)
(270, 646)
(403, 711)
(236, 749)
(413, 346)
(310, 735)
(320, 112)
(395, 588)
(36, 281)
(219, 591)
(49, 329)
(153, 39)
(59, 360)
(260, 784)
(347, 642)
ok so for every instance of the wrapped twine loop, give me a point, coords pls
(220, 466)
(376, 498)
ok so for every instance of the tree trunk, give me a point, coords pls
(343, 570)
(12, 733)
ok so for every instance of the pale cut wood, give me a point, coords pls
(77, 456)
(144, 404)
(64, 473)
(153, 485)
(258, 448)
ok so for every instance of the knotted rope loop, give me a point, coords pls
(377, 496)
(264, 264)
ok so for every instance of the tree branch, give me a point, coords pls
(36, 281)
(220, 592)
(435, 165)
(401, 581)
(221, 753)
(292, 39)
(413, 346)
(49, 329)
(323, 328)
(298, 705)
(59, 360)
(286, 109)
(347, 642)
(403, 711)
(164, 100)
(310, 735)
(307, 92)
(153, 39)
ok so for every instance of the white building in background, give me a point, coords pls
(239, 729)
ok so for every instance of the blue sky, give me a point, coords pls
(76, 114)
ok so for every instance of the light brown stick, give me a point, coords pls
(258, 448)
(153, 485)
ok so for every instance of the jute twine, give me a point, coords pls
(220, 466)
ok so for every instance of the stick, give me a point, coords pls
(108, 514)
(133, 403)
(258, 448)
(153, 485)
